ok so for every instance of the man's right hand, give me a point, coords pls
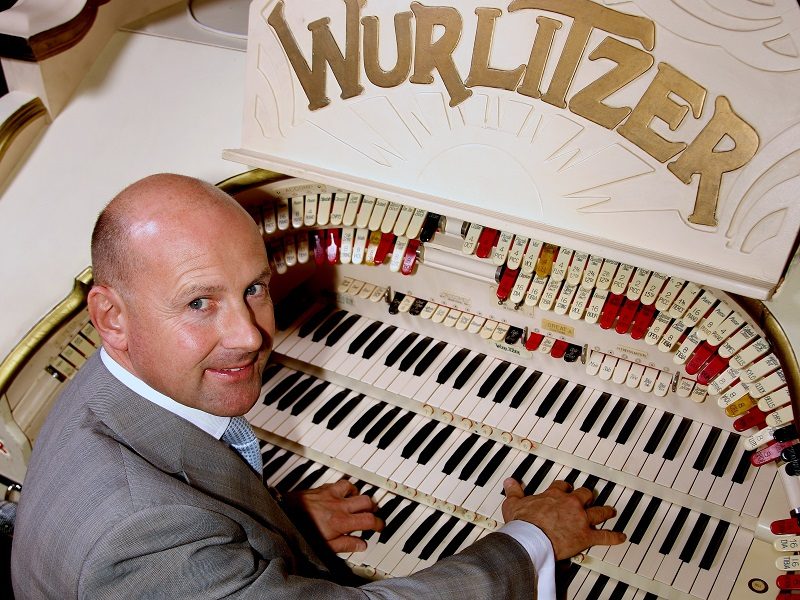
(564, 515)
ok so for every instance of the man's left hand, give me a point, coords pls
(338, 510)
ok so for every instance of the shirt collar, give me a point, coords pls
(212, 424)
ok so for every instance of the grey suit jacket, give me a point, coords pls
(124, 499)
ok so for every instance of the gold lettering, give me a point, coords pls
(542, 44)
(702, 158)
(430, 55)
(324, 51)
(480, 73)
(587, 15)
(631, 63)
(657, 102)
(372, 66)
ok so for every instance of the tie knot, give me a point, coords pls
(240, 437)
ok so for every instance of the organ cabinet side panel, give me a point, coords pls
(431, 375)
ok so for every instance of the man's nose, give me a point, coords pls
(240, 330)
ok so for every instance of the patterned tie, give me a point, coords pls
(239, 436)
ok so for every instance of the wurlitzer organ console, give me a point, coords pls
(526, 238)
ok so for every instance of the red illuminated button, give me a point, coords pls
(410, 257)
(752, 418)
(486, 242)
(699, 358)
(558, 349)
(507, 280)
(790, 581)
(533, 341)
(626, 314)
(610, 310)
(713, 368)
(785, 527)
(384, 248)
(642, 321)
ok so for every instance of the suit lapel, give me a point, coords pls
(175, 446)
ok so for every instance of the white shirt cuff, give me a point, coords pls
(538, 546)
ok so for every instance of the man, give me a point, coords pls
(131, 493)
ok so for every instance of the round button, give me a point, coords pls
(759, 586)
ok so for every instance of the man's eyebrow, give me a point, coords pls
(265, 274)
(196, 289)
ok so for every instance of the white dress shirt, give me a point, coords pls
(530, 537)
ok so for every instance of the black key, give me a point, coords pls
(598, 586)
(328, 407)
(539, 477)
(705, 451)
(362, 337)
(438, 537)
(595, 411)
(311, 479)
(428, 359)
(381, 424)
(714, 544)
(742, 468)
(340, 414)
(308, 398)
(572, 353)
(417, 439)
(572, 570)
(364, 420)
(270, 372)
(379, 341)
(343, 328)
(281, 388)
(523, 467)
(493, 378)
(566, 407)
(383, 513)
(400, 349)
(627, 512)
(396, 522)
(694, 538)
(417, 306)
(457, 540)
(572, 476)
(394, 305)
(293, 394)
(658, 433)
(314, 321)
(728, 451)
(509, 383)
(551, 398)
(476, 459)
(604, 494)
(459, 454)
(267, 455)
(292, 477)
(411, 357)
(612, 418)
(630, 424)
(675, 443)
(674, 531)
(447, 371)
(645, 521)
(591, 482)
(435, 444)
(331, 322)
(619, 591)
(491, 467)
(513, 335)
(650, 596)
(468, 371)
(525, 389)
(271, 468)
(395, 430)
(420, 532)
(429, 227)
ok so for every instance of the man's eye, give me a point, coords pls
(255, 289)
(199, 304)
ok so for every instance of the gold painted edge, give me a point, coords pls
(45, 329)
(19, 119)
(762, 316)
(249, 180)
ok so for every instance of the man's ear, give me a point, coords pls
(109, 314)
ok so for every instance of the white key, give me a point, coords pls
(607, 367)
(416, 223)
(737, 341)
(390, 217)
(535, 291)
(699, 309)
(657, 329)
(337, 208)
(750, 353)
(298, 211)
(403, 221)
(565, 299)
(400, 246)
(270, 221)
(591, 272)
(634, 375)
(531, 256)
(596, 306)
(613, 454)
(517, 253)
(594, 362)
(500, 250)
(621, 371)
(324, 208)
(727, 328)
(621, 279)
(717, 316)
(471, 239)
(282, 214)
(377, 215)
(365, 212)
(346, 251)
(575, 273)
(606, 274)
(684, 300)
(561, 264)
(670, 469)
(652, 288)
(637, 284)
(550, 294)
(359, 246)
(671, 291)
(578, 308)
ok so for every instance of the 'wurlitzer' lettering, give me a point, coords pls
(436, 34)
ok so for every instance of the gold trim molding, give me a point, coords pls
(22, 117)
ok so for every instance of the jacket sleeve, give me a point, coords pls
(180, 551)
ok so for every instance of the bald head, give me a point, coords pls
(144, 212)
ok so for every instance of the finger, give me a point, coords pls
(585, 495)
(513, 489)
(347, 543)
(361, 503)
(599, 514)
(344, 488)
(563, 486)
(606, 537)
(359, 522)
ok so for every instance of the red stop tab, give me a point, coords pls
(384, 248)
(507, 281)
(752, 418)
(785, 527)
(642, 321)
(713, 368)
(486, 242)
(558, 349)
(610, 310)
(626, 314)
(699, 358)
(769, 454)
(533, 341)
(790, 581)
(410, 257)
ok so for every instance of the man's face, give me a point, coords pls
(200, 317)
